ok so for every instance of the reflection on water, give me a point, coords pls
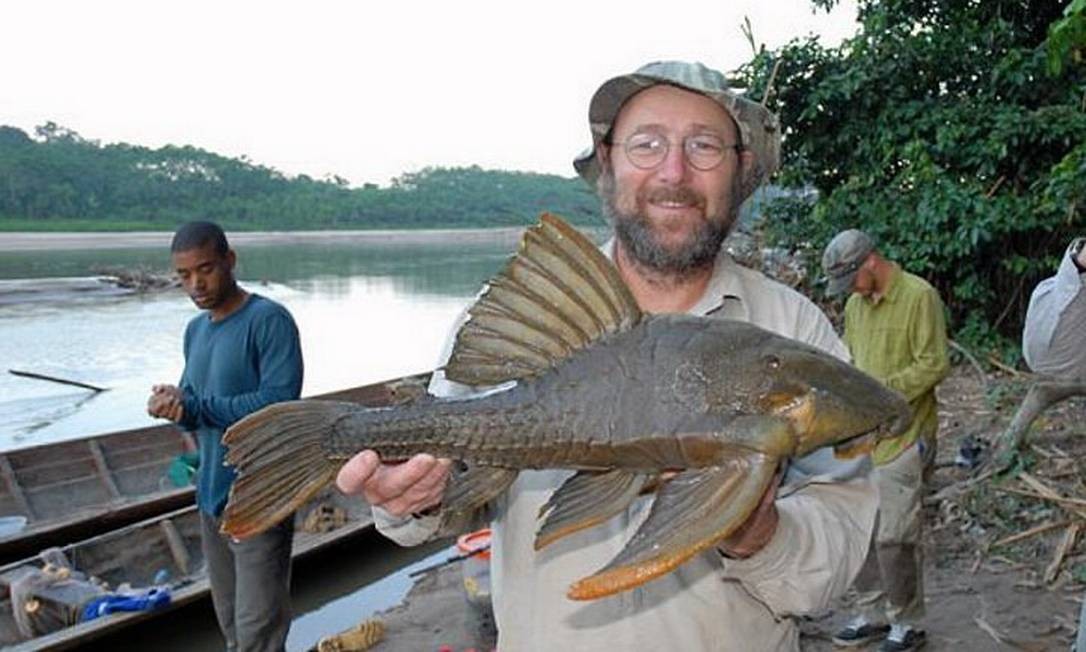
(366, 312)
(25, 416)
(356, 590)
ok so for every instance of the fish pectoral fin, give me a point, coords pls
(587, 498)
(472, 488)
(692, 512)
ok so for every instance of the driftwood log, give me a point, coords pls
(63, 381)
(1045, 392)
(138, 279)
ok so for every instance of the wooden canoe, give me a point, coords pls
(165, 545)
(67, 491)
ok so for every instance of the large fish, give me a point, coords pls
(601, 387)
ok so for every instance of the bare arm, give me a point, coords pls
(758, 530)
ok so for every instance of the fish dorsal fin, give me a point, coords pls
(556, 295)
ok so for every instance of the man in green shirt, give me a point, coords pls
(895, 330)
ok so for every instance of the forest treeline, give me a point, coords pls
(57, 179)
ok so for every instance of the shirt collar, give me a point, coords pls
(893, 285)
(725, 289)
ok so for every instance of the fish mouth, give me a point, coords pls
(856, 447)
(865, 444)
(901, 422)
(814, 427)
(798, 409)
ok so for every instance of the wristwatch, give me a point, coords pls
(1076, 249)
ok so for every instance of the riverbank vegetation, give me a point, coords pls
(57, 180)
(954, 132)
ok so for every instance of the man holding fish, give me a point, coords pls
(675, 153)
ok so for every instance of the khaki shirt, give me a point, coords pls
(901, 340)
(1054, 339)
(827, 513)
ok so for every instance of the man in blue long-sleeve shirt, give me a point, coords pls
(241, 354)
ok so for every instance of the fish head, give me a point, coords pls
(827, 401)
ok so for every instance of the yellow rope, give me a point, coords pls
(362, 636)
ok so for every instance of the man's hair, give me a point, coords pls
(196, 235)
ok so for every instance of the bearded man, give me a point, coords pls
(675, 153)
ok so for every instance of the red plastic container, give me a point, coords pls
(476, 568)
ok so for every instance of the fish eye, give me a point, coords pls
(772, 362)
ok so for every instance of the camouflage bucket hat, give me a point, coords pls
(759, 130)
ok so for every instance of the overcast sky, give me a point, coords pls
(363, 89)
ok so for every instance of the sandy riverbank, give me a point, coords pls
(26, 241)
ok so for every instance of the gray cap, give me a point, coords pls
(842, 259)
(758, 126)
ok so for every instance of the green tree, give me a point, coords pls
(940, 129)
(1067, 37)
(58, 179)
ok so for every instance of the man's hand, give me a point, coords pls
(166, 402)
(400, 489)
(756, 532)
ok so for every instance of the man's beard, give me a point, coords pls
(635, 233)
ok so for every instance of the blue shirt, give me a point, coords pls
(234, 367)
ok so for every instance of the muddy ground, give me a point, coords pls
(981, 595)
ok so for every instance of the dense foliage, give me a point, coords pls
(943, 129)
(58, 179)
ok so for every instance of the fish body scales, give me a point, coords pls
(497, 431)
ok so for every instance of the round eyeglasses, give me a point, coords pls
(646, 150)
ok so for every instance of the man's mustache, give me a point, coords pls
(677, 194)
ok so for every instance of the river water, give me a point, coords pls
(366, 311)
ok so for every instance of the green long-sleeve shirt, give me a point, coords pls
(901, 340)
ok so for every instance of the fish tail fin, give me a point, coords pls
(281, 463)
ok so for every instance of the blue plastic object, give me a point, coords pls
(113, 602)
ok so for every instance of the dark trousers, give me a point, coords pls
(250, 585)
